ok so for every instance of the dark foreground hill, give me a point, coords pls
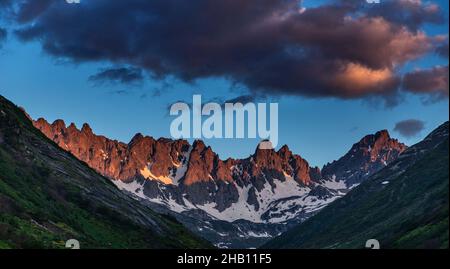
(48, 197)
(404, 205)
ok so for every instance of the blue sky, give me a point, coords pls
(319, 129)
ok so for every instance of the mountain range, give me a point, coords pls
(233, 203)
(48, 197)
(405, 205)
(59, 182)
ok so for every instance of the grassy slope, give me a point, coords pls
(409, 212)
(48, 197)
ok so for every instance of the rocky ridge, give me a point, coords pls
(265, 192)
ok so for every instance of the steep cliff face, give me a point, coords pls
(163, 159)
(143, 156)
(48, 197)
(186, 176)
(196, 169)
(370, 154)
(405, 205)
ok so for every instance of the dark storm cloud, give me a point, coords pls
(3, 35)
(443, 50)
(430, 82)
(5, 3)
(246, 98)
(273, 47)
(409, 128)
(29, 10)
(413, 14)
(5, 7)
(121, 75)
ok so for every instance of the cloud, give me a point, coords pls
(3, 35)
(245, 99)
(5, 3)
(122, 75)
(411, 13)
(432, 83)
(442, 50)
(6, 9)
(273, 47)
(29, 10)
(409, 128)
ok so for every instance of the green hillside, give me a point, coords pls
(47, 197)
(403, 206)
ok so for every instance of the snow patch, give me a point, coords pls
(334, 185)
(242, 210)
(147, 174)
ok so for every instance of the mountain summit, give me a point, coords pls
(405, 205)
(370, 154)
(269, 191)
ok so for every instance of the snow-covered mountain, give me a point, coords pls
(228, 201)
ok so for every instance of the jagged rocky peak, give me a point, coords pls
(202, 162)
(60, 124)
(143, 156)
(141, 141)
(379, 147)
(267, 157)
(173, 160)
(285, 152)
(73, 127)
(374, 145)
(296, 161)
(86, 129)
(269, 185)
(369, 155)
(283, 164)
(167, 156)
(136, 138)
(44, 127)
(40, 121)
